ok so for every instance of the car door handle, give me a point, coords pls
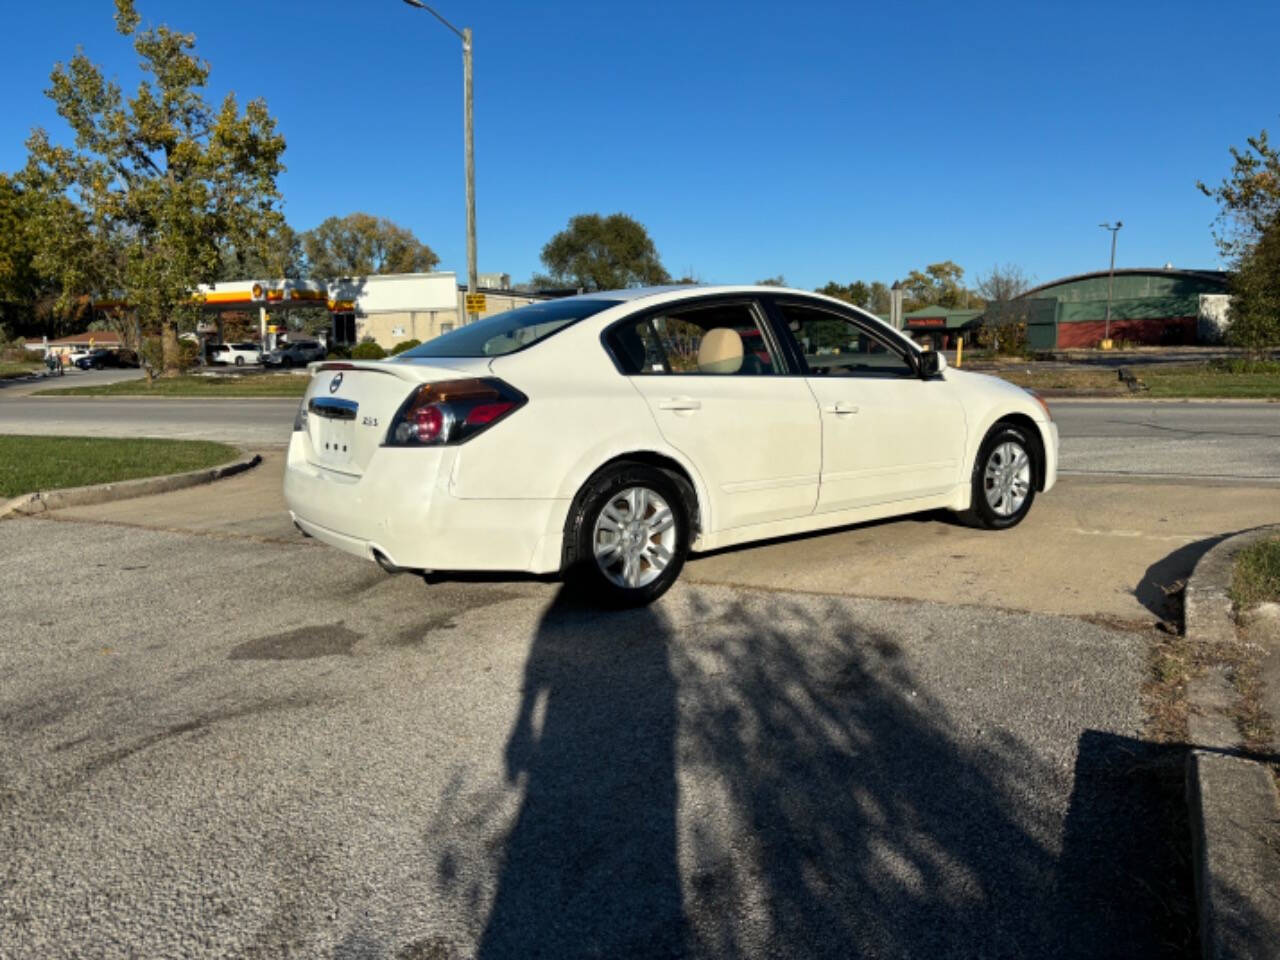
(841, 407)
(679, 403)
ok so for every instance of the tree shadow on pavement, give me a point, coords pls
(774, 781)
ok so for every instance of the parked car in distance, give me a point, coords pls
(297, 353)
(236, 354)
(100, 358)
(604, 437)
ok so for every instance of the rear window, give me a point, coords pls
(511, 331)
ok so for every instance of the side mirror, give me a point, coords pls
(932, 363)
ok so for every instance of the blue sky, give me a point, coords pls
(817, 140)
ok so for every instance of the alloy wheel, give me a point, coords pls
(634, 538)
(1007, 478)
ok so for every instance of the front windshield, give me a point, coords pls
(514, 330)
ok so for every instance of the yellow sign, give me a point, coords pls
(475, 303)
(272, 328)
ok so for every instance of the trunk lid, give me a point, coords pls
(351, 403)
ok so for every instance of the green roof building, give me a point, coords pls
(941, 326)
(1149, 305)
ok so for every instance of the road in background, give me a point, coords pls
(1227, 440)
(1120, 438)
(74, 377)
(253, 423)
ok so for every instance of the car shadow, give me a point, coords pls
(838, 810)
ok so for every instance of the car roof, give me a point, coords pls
(640, 293)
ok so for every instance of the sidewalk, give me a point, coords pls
(249, 506)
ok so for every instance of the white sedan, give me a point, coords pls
(236, 353)
(603, 437)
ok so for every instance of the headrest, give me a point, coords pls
(720, 351)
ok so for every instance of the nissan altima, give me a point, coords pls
(606, 436)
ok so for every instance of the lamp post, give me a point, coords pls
(465, 36)
(1111, 279)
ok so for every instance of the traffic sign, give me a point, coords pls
(475, 302)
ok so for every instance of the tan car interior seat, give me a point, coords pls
(720, 351)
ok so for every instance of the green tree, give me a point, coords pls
(878, 298)
(1248, 199)
(361, 244)
(1254, 313)
(279, 255)
(778, 281)
(857, 293)
(940, 284)
(602, 253)
(156, 185)
(20, 282)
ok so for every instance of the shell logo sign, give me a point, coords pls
(257, 292)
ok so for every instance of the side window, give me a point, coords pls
(836, 346)
(636, 346)
(723, 339)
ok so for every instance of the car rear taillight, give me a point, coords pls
(452, 411)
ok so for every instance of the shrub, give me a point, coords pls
(367, 351)
(152, 354)
(1009, 339)
(404, 345)
(15, 351)
(1255, 304)
(338, 352)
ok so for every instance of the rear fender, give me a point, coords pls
(605, 454)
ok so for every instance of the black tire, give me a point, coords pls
(239, 361)
(981, 513)
(286, 362)
(583, 573)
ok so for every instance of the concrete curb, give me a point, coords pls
(1235, 814)
(31, 504)
(1235, 822)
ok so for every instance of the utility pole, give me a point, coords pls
(471, 167)
(469, 144)
(1111, 278)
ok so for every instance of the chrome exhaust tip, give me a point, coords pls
(386, 564)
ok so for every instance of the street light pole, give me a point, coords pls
(1111, 278)
(470, 162)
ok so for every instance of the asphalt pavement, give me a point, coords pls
(25, 386)
(216, 747)
(220, 740)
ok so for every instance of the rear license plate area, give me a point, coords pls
(333, 441)
(333, 424)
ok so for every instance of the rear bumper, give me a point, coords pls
(401, 507)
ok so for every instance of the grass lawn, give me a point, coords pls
(46, 463)
(10, 369)
(259, 385)
(1257, 574)
(1184, 382)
